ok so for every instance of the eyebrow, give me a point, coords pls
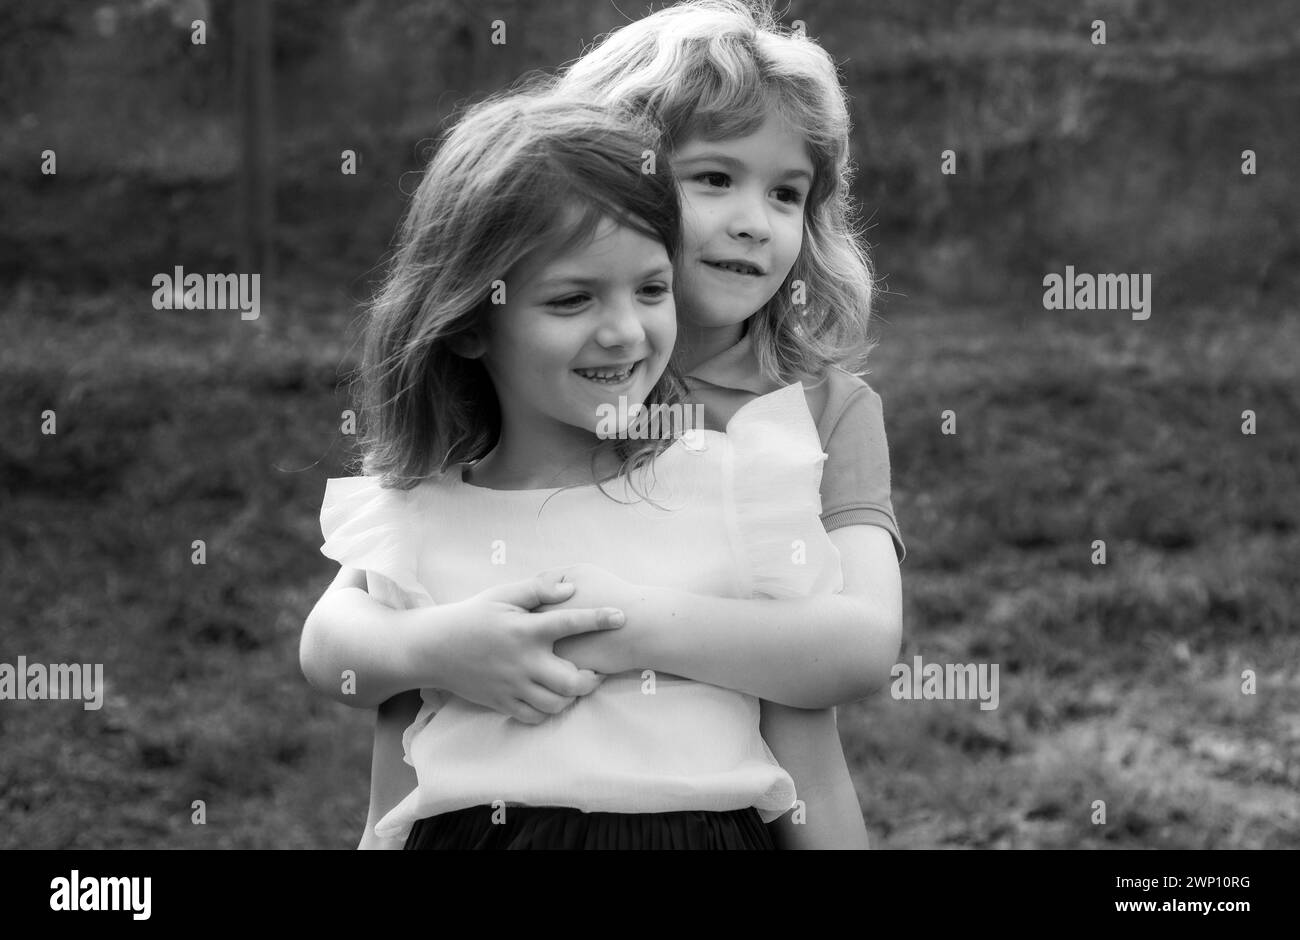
(557, 280)
(734, 163)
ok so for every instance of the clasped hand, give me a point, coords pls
(534, 647)
(594, 586)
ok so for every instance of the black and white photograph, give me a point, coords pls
(701, 425)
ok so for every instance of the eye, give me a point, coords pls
(656, 291)
(789, 195)
(568, 303)
(713, 178)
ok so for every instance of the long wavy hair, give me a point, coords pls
(522, 171)
(715, 70)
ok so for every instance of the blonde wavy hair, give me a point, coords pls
(714, 70)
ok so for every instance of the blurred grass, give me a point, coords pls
(1120, 683)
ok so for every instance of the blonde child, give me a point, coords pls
(772, 287)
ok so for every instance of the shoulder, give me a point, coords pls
(775, 480)
(375, 528)
(836, 395)
(357, 504)
(775, 434)
(786, 408)
(364, 508)
(366, 495)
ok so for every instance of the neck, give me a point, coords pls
(697, 344)
(528, 457)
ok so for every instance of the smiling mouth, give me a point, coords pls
(611, 375)
(736, 267)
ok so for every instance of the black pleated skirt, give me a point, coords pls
(559, 827)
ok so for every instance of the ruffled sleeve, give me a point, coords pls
(776, 474)
(370, 527)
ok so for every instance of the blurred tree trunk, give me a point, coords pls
(253, 100)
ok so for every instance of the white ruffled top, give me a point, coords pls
(734, 514)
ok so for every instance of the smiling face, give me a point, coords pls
(742, 218)
(577, 331)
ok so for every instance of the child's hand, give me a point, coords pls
(503, 657)
(597, 587)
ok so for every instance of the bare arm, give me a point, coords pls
(489, 649)
(807, 652)
(807, 744)
(349, 630)
(391, 777)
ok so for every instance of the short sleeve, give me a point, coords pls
(371, 527)
(855, 482)
(776, 471)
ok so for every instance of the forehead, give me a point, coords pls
(775, 143)
(590, 246)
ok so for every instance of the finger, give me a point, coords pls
(563, 678)
(553, 592)
(533, 592)
(546, 701)
(524, 712)
(557, 624)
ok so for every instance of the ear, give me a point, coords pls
(471, 345)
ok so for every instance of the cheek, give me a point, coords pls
(693, 224)
(792, 242)
(665, 329)
(528, 359)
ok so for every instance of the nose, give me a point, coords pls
(620, 324)
(749, 218)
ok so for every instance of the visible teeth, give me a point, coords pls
(735, 268)
(605, 375)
